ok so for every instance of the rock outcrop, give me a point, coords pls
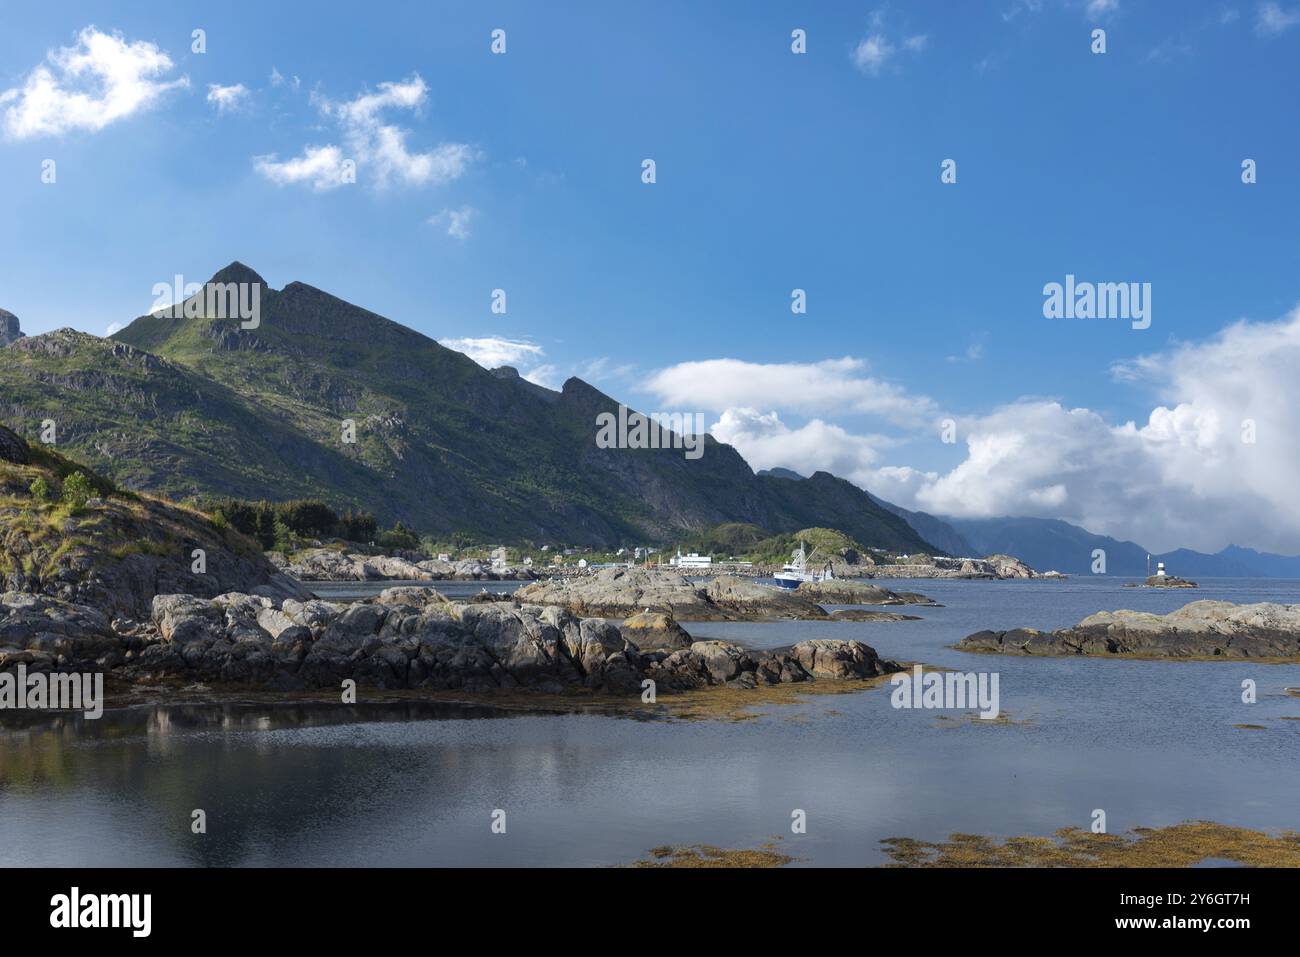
(13, 447)
(9, 328)
(840, 592)
(1202, 629)
(117, 550)
(653, 630)
(926, 566)
(1168, 581)
(332, 565)
(620, 592)
(406, 638)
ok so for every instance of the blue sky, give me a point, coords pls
(775, 171)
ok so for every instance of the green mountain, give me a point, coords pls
(202, 406)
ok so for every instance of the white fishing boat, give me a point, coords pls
(795, 573)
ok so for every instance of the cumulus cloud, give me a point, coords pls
(320, 167)
(227, 98)
(767, 442)
(1214, 462)
(830, 386)
(100, 80)
(378, 147)
(493, 351)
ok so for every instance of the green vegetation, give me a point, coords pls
(201, 407)
(746, 542)
(283, 525)
(1182, 845)
(77, 490)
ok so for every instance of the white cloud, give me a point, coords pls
(767, 442)
(834, 386)
(871, 54)
(1099, 8)
(1182, 476)
(319, 167)
(114, 328)
(456, 220)
(917, 43)
(1274, 19)
(380, 148)
(100, 80)
(543, 375)
(227, 98)
(493, 351)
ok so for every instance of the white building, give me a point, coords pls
(693, 560)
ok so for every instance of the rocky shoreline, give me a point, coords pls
(1217, 630)
(619, 592)
(404, 638)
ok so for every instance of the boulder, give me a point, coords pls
(655, 630)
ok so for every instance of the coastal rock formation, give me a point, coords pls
(839, 592)
(652, 629)
(926, 566)
(619, 592)
(332, 565)
(406, 638)
(742, 598)
(869, 614)
(1168, 581)
(1210, 629)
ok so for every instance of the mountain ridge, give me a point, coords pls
(185, 404)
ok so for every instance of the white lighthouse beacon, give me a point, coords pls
(1160, 569)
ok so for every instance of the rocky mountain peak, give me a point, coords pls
(237, 272)
(9, 329)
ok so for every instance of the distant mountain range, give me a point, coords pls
(201, 406)
(1048, 544)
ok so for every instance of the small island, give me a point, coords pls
(1209, 630)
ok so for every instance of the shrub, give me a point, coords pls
(399, 536)
(77, 489)
(40, 489)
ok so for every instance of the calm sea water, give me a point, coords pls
(1152, 743)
